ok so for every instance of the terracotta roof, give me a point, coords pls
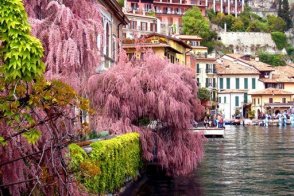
(147, 45)
(232, 68)
(281, 74)
(225, 91)
(188, 37)
(271, 91)
(206, 60)
(168, 37)
(260, 66)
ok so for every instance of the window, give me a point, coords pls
(107, 40)
(209, 82)
(133, 25)
(219, 99)
(210, 68)
(253, 83)
(237, 83)
(134, 6)
(198, 82)
(245, 83)
(153, 27)
(270, 100)
(198, 68)
(144, 26)
(221, 83)
(283, 100)
(228, 83)
(245, 98)
(130, 56)
(113, 48)
(237, 101)
(225, 99)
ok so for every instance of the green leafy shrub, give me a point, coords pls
(22, 52)
(109, 164)
(272, 59)
(280, 39)
(203, 94)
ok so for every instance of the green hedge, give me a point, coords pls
(272, 59)
(110, 163)
(280, 40)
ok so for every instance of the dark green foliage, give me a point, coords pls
(22, 52)
(121, 2)
(248, 21)
(195, 24)
(203, 94)
(272, 59)
(284, 12)
(280, 39)
(110, 163)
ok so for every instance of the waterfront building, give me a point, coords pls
(170, 12)
(203, 67)
(141, 25)
(108, 43)
(163, 46)
(235, 80)
(271, 100)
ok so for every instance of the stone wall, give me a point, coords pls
(248, 42)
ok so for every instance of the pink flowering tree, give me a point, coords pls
(37, 117)
(68, 30)
(134, 93)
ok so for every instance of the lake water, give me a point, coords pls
(248, 161)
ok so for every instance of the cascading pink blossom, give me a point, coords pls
(155, 89)
(69, 36)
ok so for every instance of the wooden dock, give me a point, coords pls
(210, 132)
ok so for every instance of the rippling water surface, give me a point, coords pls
(248, 161)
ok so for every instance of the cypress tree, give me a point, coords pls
(286, 14)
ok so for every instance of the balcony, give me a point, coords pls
(210, 71)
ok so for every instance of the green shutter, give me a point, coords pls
(228, 83)
(214, 70)
(225, 99)
(206, 68)
(219, 99)
(245, 83)
(253, 83)
(214, 83)
(237, 83)
(221, 83)
(237, 101)
(198, 68)
(245, 98)
(207, 83)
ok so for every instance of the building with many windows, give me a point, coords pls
(170, 12)
(235, 81)
(140, 25)
(271, 100)
(113, 20)
(163, 46)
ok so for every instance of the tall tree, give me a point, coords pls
(133, 94)
(284, 12)
(195, 24)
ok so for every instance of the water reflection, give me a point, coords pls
(249, 161)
